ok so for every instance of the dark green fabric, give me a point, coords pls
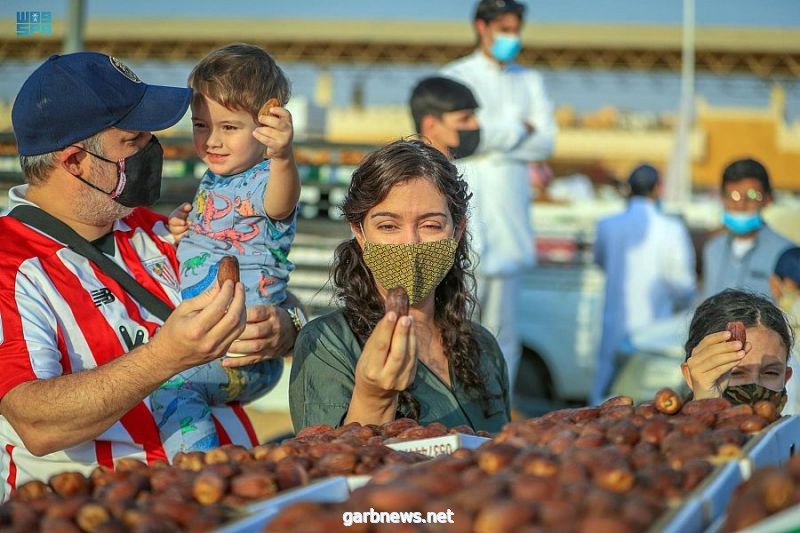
(323, 376)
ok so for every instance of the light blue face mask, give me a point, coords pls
(506, 47)
(742, 223)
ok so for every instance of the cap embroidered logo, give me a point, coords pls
(124, 70)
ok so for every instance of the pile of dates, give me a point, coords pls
(616, 467)
(769, 491)
(400, 430)
(198, 492)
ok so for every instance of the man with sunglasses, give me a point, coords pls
(744, 256)
(517, 127)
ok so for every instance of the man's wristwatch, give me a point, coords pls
(298, 317)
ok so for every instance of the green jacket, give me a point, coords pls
(323, 376)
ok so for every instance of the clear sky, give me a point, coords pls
(765, 13)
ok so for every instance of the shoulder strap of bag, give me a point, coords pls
(39, 219)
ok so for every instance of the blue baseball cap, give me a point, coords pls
(74, 96)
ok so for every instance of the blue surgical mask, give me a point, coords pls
(742, 223)
(506, 47)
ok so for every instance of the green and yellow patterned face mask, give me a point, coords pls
(418, 267)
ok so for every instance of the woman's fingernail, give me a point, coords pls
(391, 316)
(405, 321)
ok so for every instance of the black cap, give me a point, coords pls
(488, 10)
(643, 180)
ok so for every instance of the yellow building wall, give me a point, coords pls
(735, 133)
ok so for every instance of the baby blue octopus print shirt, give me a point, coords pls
(228, 218)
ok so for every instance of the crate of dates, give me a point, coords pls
(198, 491)
(402, 434)
(767, 502)
(660, 465)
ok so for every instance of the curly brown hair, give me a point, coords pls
(355, 288)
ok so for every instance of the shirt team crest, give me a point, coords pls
(159, 268)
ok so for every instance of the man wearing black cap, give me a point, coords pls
(79, 354)
(444, 115)
(516, 127)
(649, 263)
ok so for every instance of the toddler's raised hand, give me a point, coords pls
(276, 133)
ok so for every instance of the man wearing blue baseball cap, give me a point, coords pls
(90, 312)
(649, 262)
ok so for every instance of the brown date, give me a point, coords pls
(70, 484)
(290, 473)
(615, 478)
(738, 332)
(616, 401)
(31, 490)
(397, 301)
(338, 463)
(209, 488)
(766, 410)
(312, 431)
(228, 269)
(668, 402)
(253, 486)
(66, 508)
(655, 431)
(502, 515)
(707, 405)
(91, 515)
(397, 426)
(492, 459)
(736, 410)
(395, 498)
(777, 489)
(272, 102)
(646, 409)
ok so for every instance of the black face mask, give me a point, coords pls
(138, 176)
(467, 143)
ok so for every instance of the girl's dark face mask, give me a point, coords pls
(752, 392)
(138, 176)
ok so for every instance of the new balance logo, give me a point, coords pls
(102, 296)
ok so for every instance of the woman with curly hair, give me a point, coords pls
(407, 207)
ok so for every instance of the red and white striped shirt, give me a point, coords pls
(60, 314)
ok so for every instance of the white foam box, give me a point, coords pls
(436, 446)
(332, 490)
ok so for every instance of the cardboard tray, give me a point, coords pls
(437, 446)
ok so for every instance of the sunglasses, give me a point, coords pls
(750, 195)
